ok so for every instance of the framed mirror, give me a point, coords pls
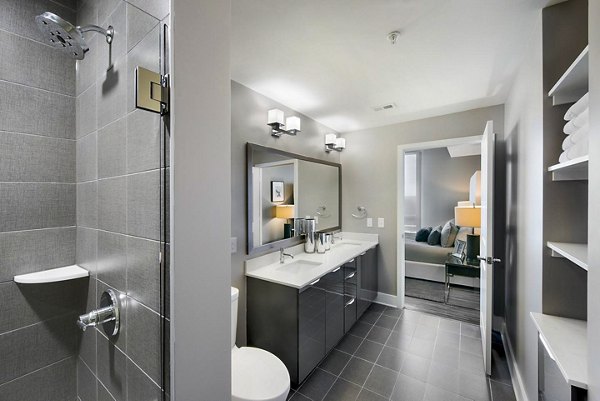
(283, 187)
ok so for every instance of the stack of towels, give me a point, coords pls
(576, 144)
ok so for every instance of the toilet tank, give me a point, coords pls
(234, 307)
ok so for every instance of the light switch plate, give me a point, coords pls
(369, 222)
(233, 245)
(380, 223)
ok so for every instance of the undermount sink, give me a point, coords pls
(299, 264)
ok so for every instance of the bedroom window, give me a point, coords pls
(412, 192)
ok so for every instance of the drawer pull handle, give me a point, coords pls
(315, 282)
(336, 269)
(350, 302)
(350, 261)
(349, 276)
(363, 254)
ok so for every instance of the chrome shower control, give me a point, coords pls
(108, 315)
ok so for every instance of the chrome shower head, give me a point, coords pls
(67, 37)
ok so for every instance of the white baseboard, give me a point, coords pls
(515, 375)
(387, 299)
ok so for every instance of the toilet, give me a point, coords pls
(256, 375)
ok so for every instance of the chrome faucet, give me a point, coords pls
(282, 255)
(107, 315)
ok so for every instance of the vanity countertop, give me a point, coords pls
(305, 268)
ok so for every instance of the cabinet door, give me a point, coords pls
(311, 329)
(362, 297)
(334, 311)
(350, 280)
(369, 275)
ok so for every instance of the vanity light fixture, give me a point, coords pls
(332, 142)
(275, 119)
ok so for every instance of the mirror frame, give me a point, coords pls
(286, 242)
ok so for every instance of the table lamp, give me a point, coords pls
(286, 212)
(469, 216)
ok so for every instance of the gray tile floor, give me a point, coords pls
(407, 355)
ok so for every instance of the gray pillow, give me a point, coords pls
(462, 233)
(448, 234)
(434, 237)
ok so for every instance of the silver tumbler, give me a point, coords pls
(310, 235)
(321, 243)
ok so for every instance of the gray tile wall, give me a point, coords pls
(38, 340)
(118, 178)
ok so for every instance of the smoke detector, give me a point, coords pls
(393, 36)
(388, 106)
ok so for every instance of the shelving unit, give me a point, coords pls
(566, 341)
(573, 170)
(573, 84)
(576, 253)
(52, 275)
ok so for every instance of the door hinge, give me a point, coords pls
(152, 91)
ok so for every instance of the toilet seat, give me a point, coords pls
(258, 375)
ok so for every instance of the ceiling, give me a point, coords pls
(331, 59)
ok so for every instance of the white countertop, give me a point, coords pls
(268, 268)
(566, 340)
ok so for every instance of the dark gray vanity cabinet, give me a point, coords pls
(333, 284)
(311, 329)
(350, 277)
(367, 278)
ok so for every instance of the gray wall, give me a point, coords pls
(118, 200)
(249, 124)
(524, 186)
(444, 182)
(200, 200)
(38, 339)
(370, 164)
(594, 199)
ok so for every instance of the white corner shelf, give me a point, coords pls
(52, 275)
(566, 341)
(572, 170)
(576, 253)
(573, 84)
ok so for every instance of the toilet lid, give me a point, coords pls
(257, 375)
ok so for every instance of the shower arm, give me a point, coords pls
(109, 33)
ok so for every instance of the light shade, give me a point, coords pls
(275, 116)
(292, 123)
(284, 211)
(330, 139)
(340, 143)
(467, 216)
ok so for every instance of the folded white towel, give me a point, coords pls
(563, 157)
(579, 149)
(578, 107)
(567, 143)
(578, 122)
(576, 137)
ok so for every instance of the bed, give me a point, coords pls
(427, 262)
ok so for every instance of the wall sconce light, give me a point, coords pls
(332, 142)
(275, 120)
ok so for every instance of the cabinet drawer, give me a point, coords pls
(349, 312)
(350, 275)
(351, 263)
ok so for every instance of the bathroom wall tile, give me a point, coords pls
(157, 8)
(86, 348)
(145, 54)
(54, 382)
(25, 305)
(87, 204)
(86, 68)
(139, 23)
(112, 91)
(112, 206)
(24, 252)
(46, 68)
(72, 4)
(34, 347)
(86, 382)
(87, 12)
(34, 111)
(143, 271)
(143, 141)
(87, 249)
(118, 48)
(87, 158)
(19, 16)
(143, 202)
(27, 206)
(112, 260)
(104, 394)
(139, 386)
(105, 9)
(112, 149)
(112, 365)
(120, 340)
(143, 339)
(31, 158)
(86, 115)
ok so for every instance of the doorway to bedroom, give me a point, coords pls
(439, 184)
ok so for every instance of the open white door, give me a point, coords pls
(486, 254)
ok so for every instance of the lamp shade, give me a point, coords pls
(292, 123)
(340, 143)
(330, 139)
(275, 116)
(467, 216)
(284, 211)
